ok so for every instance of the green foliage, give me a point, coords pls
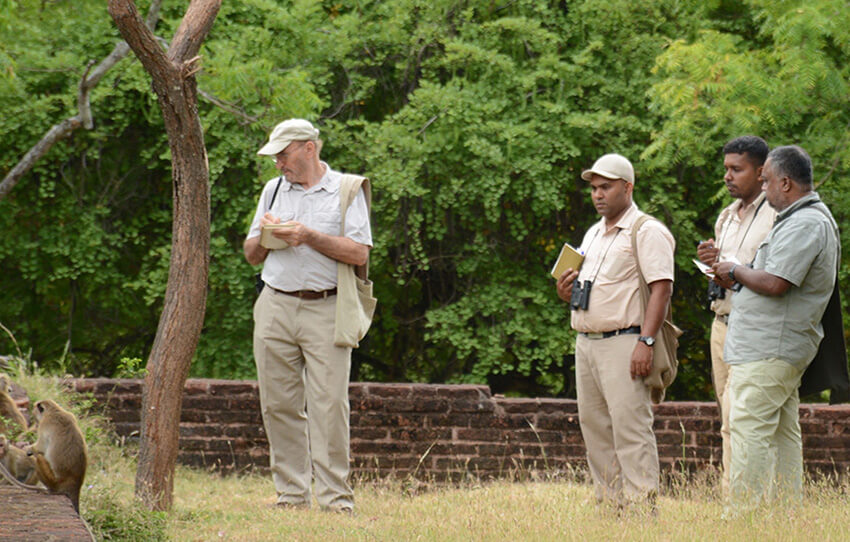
(473, 121)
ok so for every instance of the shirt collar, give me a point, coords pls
(739, 204)
(329, 182)
(625, 221)
(812, 196)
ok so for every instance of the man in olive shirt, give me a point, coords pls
(614, 343)
(774, 331)
(740, 229)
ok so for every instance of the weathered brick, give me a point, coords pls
(476, 406)
(369, 433)
(369, 402)
(390, 390)
(227, 388)
(201, 402)
(454, 448)
(412, 434)
(518, 406)
(487, 435)
(470, 392)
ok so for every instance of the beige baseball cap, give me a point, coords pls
(285, 133)
(611, 166)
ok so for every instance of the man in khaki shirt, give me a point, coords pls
(740, 229)
(614, 343)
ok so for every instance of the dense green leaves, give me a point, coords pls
(472, 118)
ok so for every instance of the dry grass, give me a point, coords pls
(209, 507)
(237, 508)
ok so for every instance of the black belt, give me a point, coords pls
(307, 294)
(634, 330)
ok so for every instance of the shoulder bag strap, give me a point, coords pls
(644, 287)
(349, 185)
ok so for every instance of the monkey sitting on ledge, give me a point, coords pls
(9, 413)
(59, 452)
(17, 462)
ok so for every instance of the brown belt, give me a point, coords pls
(307, 294)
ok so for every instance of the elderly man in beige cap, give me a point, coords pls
(615, 335)
(302, 372)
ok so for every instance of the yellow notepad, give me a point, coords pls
(568, 258)
(269, 241)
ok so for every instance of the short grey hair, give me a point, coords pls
(793, 162)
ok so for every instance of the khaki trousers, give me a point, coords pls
(767, 444)
(720, 371)
(303, 383)
(616, 418)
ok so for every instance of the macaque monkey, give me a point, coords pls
(17, 462)
(60, 451)
(8, 409)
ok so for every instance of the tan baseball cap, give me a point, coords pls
(285, 133)
(611, 166)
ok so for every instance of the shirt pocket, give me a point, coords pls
(327, 222)
(618, 265)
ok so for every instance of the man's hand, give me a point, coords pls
(721, 274)
(296, 234)
(707, 252)
(268, 218)
(565, 284)
(641, 361)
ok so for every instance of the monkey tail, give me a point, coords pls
(14, 481)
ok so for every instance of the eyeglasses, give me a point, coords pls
(284, 156)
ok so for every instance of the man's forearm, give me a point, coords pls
(341, 249)
(760, 281)
(254, 252)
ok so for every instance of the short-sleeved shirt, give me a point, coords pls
(608, 262)
(803, 249)
(303, 267)
(738, 237)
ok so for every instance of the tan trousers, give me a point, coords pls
(720, 372)
(303, 382)
(615, 415)
(767, 444)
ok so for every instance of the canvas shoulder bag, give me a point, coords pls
(665, 364)
(355, 304)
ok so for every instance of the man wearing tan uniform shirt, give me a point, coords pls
(740, 229)
(614, 343)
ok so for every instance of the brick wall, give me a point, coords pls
(447, 431)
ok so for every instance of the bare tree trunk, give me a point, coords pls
(82, 118)
(182, 316)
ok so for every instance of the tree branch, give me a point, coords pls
(193, 30)
(83, 118)
(142, 40)
(230, 108)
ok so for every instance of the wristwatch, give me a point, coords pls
(732, 273)
(648, 341)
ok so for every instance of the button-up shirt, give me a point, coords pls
(803, 249)
(739, 231)
(303, 267)
(608, 262)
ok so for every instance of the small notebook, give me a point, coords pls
(568, 258)
(269, 241)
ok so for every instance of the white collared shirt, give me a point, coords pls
(302, 267)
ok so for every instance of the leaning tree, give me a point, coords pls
(172, 75)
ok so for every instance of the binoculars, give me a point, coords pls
(580, 295)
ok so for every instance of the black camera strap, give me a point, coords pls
(258, 278)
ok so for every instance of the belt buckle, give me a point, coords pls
(594, 336)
